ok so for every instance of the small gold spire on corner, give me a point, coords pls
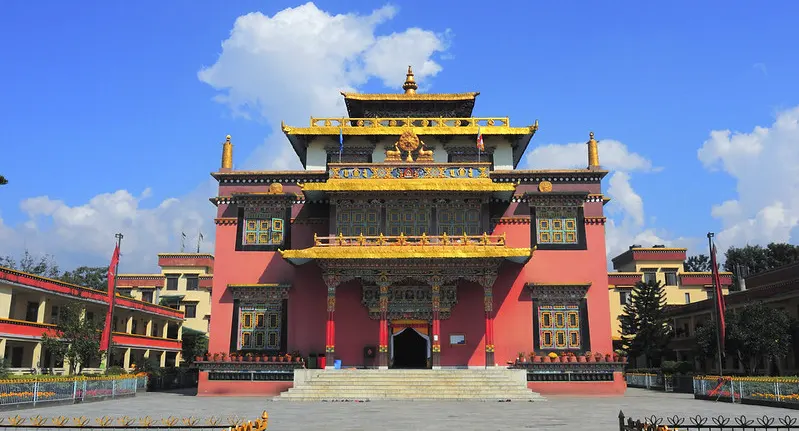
(227, 154)
(593, 151)
(410, 86)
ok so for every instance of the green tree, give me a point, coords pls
(95, 277)
(756, 332)
(75, 338)
(753, 259)
(3, 180)
(698, 263)
(645, 329)
(195, 343)
(706, 344)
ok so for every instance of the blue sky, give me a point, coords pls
(99, 97)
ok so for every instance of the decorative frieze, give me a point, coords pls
(259, 292)
(564, 293)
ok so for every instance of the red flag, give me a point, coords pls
(719, 296)
(105, 341)
(480, 145)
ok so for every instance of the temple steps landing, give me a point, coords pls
(461, 384)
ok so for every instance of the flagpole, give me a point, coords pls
(717, 311)
(110, 352)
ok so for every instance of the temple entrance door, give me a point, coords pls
(410, 349)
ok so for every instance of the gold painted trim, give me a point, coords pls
(406, 252)
(260, 285)
(514, 220)
(595, 220)
(226, 221)
(410, 96)
(422, 184)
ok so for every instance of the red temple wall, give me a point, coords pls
(467, 318)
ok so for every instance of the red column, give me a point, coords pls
(382, 348)
(488, 301)
(436, 342)
(330, 343)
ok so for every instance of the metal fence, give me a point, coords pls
(783, 390)
(720, 423)
(30, 392)
(232, 423)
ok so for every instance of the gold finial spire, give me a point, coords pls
(227, 154)
(410, 84)
(593, 152)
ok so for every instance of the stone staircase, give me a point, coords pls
(447, 384)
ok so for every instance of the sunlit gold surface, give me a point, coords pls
(407, 252)
(593, 151)
(411, 96)
(410, 86)
(227, 154)
(424, 184)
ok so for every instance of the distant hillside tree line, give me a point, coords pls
(747, 260)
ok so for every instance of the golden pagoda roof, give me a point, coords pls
(410, 185)
(409, 247)
(411, 96)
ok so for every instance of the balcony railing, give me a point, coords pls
(403, 240)
(411, 122)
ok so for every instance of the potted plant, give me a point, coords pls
(598, 357)
(589, 357)
(553, 357)
(223, 355)
(609, 358)
(581, 358)
(536, 359)
(522, 358)
(207, 356)
(570, 357)
(273, 358)
(257, 358)
(198, 358)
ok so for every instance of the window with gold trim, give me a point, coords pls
(556, 225)
(358, 221)
(260, 325)
(456, 220)
(407, 217)
(263, 227)
(559, 327)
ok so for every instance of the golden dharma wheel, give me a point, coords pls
(276, 188)
(544, 187)
(408, 141)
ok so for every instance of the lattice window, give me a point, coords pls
(260, 325)
(556, 225)
(559, 327)
(408, 217)
(263, 226)
(457, 219)
(357, 221)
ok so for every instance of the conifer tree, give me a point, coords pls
(645, 329)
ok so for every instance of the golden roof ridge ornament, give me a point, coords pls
(593, 152)
(227, 154)
(410, 86)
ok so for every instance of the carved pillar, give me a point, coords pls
(486, 280)
(332, 281)
(382, 350)
(435, 284)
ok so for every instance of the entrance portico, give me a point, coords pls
(409, 278)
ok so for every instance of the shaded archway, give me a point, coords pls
(410, 349)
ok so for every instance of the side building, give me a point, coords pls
(777, 288)
(662, 264)
(184, 283)
(29, 308)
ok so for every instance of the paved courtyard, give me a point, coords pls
(558, 413)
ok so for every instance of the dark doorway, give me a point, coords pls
(410, 350)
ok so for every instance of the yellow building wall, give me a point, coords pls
(202, 297)
(675, 294)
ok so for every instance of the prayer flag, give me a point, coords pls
(105, 340)
(480, 145)
(719, 297)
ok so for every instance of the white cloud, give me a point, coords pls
(293, 65)
(626, 217)
(84, 234)
(765, 166)
(284, 67)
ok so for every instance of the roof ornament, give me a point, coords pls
(409, 86)
(227, 154)
(593, 152)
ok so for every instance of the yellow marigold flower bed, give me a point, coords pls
(70, 378)
(26, 394)
(791, 397)
(753, 379)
